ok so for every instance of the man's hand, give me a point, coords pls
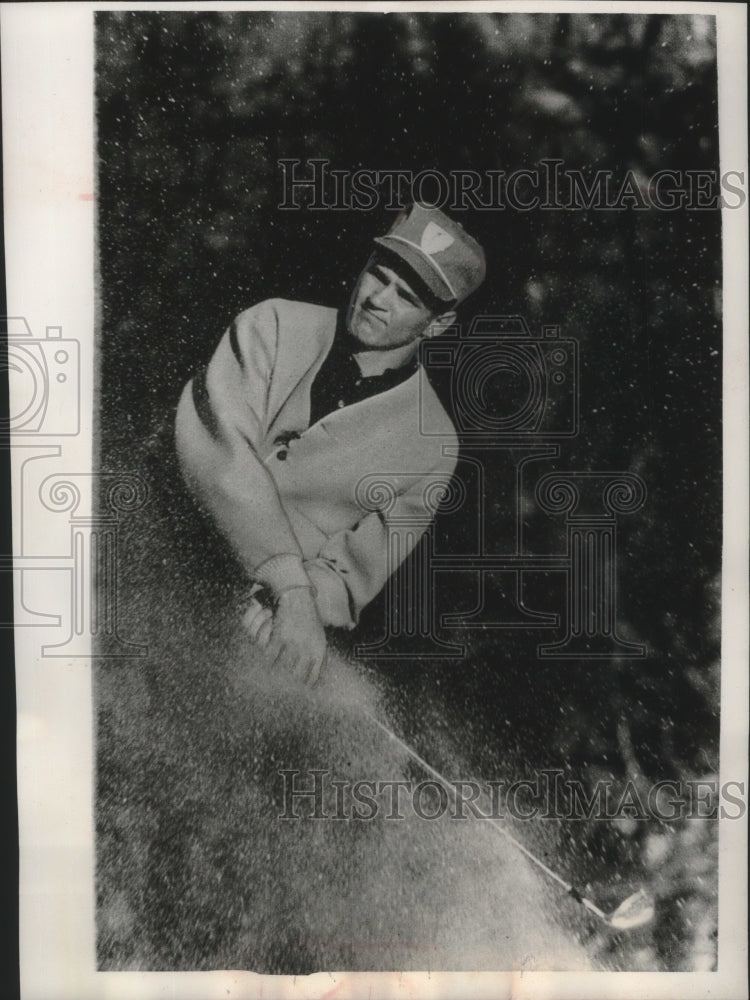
(292, 636)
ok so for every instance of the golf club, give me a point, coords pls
(635, 911)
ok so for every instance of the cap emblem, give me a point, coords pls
(434, 239)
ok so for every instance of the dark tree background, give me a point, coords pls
(194, 113)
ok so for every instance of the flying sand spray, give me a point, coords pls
(635, 911)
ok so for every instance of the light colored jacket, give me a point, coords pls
(342, 505)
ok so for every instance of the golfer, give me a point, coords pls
(298, 405)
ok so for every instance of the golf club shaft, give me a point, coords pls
(495, 824)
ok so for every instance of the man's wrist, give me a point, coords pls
(298, 604)
(281, 573)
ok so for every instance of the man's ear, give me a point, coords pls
(441, 323)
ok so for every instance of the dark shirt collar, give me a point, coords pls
(345, 346)
(339, 382)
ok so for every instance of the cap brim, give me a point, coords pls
(418, 263)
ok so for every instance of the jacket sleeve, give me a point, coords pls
(221, 418)
(353, 565)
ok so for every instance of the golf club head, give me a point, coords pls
(635, 911)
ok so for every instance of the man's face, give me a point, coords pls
(385, 310)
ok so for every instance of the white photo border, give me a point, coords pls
(50, 217)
